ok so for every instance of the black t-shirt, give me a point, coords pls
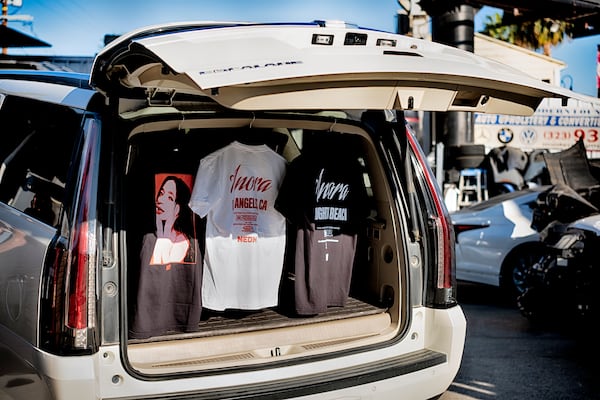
(165, 265)
(323, 196)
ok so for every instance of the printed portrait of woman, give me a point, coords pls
(174, 220)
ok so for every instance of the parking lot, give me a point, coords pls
(507, 357)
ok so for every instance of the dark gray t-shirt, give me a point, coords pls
(323, 197)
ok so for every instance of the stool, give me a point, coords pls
(472, 186)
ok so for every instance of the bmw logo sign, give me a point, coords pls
(505, 135)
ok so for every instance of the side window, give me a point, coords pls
(37, 145)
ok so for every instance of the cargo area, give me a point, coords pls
(234, 337)
(232, 322)
(231, 340)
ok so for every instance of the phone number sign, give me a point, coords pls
(551, 127)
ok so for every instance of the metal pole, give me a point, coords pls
(455, 27)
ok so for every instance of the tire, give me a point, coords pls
(464, 162)
(515, 266)
(464, 156)
(467, 150)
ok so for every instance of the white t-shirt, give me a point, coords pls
(236, 188)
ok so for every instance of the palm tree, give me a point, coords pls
(536, 34)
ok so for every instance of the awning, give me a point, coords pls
(10, 37)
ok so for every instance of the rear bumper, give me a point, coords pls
(437, 339)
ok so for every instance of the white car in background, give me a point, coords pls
(495, 242)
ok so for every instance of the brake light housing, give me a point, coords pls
(444, 281)
(68, 320)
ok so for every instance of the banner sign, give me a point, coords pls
(551, 127)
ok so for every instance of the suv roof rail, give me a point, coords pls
(75, 79)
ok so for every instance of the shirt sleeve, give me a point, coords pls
(206, 191)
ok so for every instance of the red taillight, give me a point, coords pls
(81, 287)
(443, 227)
(460, 228)
(69, 320)
(78, 302)
(445, 242)
(82, 263)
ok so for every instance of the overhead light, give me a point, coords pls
(355, 39)
(386, 42)
(326, 40)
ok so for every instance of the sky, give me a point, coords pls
(77, 27)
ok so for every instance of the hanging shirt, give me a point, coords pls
(170, 273)
(324, 198)
(235, 189)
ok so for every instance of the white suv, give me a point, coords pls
(235, 211)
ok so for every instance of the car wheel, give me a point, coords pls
(515, 267)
